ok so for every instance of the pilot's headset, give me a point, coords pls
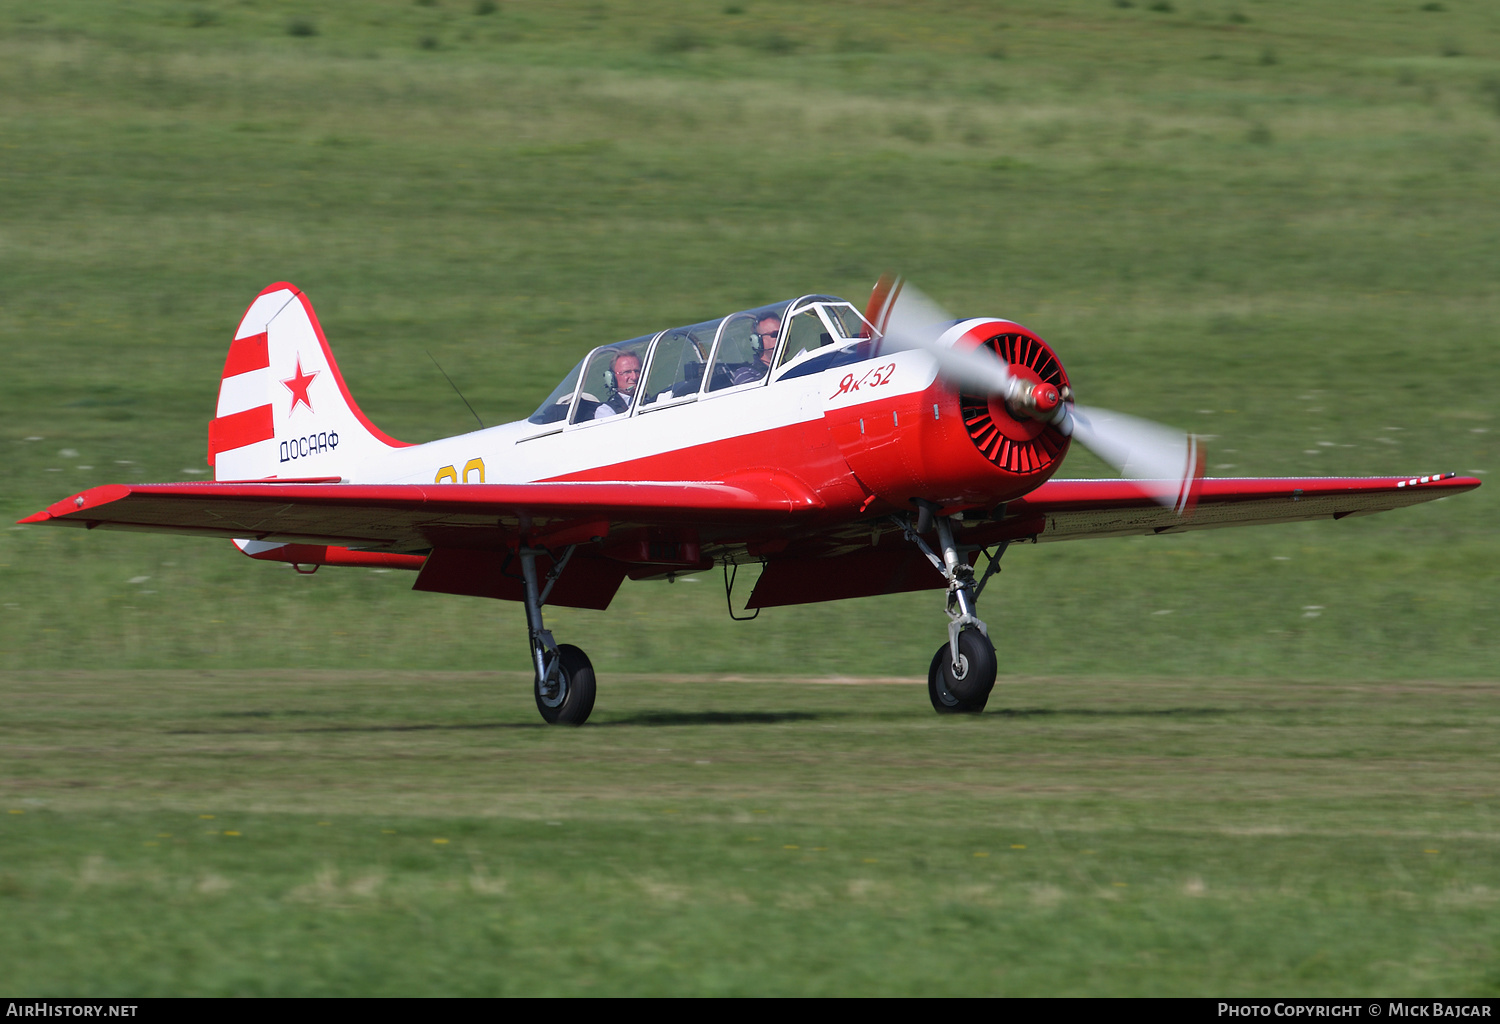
(609, 368)
(759, 344)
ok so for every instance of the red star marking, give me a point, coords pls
(298, 386)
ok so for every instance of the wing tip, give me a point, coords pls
(1192, 483)
(67, 510)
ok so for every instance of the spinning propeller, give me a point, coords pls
(1165, 463)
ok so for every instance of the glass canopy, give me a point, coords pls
(683, 364)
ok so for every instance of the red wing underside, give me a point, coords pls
(848, 565)
(461, 537)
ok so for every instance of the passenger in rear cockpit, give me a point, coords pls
(624, 375)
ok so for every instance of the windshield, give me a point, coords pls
(847, 319)
(815, 322)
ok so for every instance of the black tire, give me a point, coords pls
(574, 699)
(967, 693)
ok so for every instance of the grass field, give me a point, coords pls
(1270, 223)
(329, 832)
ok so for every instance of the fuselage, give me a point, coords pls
(864, 432)
(798, 405)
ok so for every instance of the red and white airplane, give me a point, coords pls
(848, 453)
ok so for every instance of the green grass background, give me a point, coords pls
(291, 832)
(1271, 223)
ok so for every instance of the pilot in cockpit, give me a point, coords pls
(624, 375)
(766, 331)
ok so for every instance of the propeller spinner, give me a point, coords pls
(1165, 463)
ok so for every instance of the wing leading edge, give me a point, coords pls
(413, 517)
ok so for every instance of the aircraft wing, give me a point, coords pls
(846, 563)
(416, 517)
(469, 527)
(460, 537)
(1077, 509)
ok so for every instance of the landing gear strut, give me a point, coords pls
(962, 672)
(564, 680)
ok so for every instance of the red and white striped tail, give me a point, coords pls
(284, 410)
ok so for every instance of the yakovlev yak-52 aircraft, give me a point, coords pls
(848, 453)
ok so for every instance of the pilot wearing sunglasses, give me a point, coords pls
(766, 331)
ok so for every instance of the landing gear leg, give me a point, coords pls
(564, 681)
(962, 672)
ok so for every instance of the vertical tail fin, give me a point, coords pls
(284, 410)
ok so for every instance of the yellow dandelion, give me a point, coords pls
(1018, 846)
(790, 846)
(1122, 885)
(869, 860)
(981, 853)
(16, 810)
(1429, 851)
(231, 833)
(441, 842)
(206, 817)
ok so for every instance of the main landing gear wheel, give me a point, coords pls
(562, 677)
(962, 672)
(567, 697)
(966, 688)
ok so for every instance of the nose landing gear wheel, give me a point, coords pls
(967, 688)
(568, 696)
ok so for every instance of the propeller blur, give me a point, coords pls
(1167, 464)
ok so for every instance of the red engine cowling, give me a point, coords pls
(958, 450)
